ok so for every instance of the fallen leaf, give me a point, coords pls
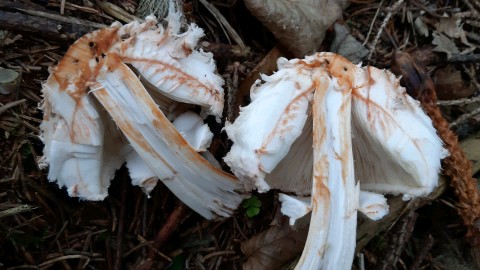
(450, 84)
(273, 248)
(346, 45)
(421, 27)
(299, 25)
(444, 44)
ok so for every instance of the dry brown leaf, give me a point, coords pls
(274, 247)
(300, 25)
(450, 84)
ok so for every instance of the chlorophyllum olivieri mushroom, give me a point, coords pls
(326, 128)
(93, 84)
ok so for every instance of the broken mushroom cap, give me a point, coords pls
(81, 96)
(396, 148)
(357, 112)
(266, 128)
(168, 59)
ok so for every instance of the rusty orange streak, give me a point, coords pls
(74, 69)
(164, 127)
(130, 131)
(282, 121)
(183, 77)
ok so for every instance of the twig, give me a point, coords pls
(117, 12)
(391, 12)
(47, 28)
(464, 117)
(219, 253)
(463, 58)
(471, 7)
(397, 243)
(171, 224)
(361, 261)
(427, 245)
(11, 104)
(17, 210)
(65, 19)
(66, 257)
(162, 236)
(224, 23)
(462, 101)
(121, 221)
(373, 22)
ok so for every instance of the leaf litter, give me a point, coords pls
(64, 227)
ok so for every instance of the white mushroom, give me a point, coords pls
(193, 130)
(367, 133)
(84, 147)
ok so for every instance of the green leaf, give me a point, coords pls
(252, 211)
(252, 202)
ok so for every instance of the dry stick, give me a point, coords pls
(464, 117)
(121, 221)
(224, 23)
(117, 12)
(456, 166)
(463, 58)
(462, 101)
(398, 241)
(162, 236)
(11, 104)
(49, 29)
(391, 12)
(471, 7)
(373, 22)
(65, 19)
(427, 245)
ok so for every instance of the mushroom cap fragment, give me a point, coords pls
(396, 148)
(84, 147)
(265, 129)
(193, 130)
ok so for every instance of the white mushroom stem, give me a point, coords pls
(331, 236)
(204, 188)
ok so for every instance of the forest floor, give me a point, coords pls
(41, 227)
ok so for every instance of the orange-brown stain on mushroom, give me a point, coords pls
(320, 161)
(130, 131)
(178, 76)
(74, 72)
(282, 122)
(164, 126)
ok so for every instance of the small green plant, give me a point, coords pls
(252, 206)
